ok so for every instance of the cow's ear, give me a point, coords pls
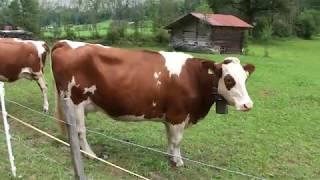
(249, 68)
(218, 69)
(207, 64)
(212, 67)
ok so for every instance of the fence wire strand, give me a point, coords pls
(62, 142)
(17, 139)
(94, 130)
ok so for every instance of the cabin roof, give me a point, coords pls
(222, 20)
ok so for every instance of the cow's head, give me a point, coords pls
(232, 82)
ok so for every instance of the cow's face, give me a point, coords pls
(232, 84)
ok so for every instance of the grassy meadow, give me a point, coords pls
(278, 139)
(85, 31)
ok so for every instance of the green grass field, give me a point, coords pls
(278, 139)
(83, 31)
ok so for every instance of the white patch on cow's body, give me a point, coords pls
(210, 71)
(43, 86)
(174, 61)
(100, 45)
(3, 78)
(175, 134)
(39, 45)
(26, 73)
(74, 44)
(67, 93)
(156, 75)
(91, 89)
(154, 104)
(233, 59)
(238, 95)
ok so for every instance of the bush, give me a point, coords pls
(305, 25)
(70, 33)
(116, 31)
(261, 24)
(56, 31)
(246, 49)
(281, 28)
(161, 36)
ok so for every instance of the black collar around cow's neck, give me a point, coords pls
(221, 103)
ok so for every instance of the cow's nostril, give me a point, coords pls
(246, 107)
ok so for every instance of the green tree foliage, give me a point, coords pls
(266, 36)
(25, 13)
(203, 7)
(116, 31)
(249, 9)
(15, 13)
(306, 25)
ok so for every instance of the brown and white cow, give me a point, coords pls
(24, 59)
(134, 85)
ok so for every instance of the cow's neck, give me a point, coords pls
(207, 91)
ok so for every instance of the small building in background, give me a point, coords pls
(11, 31)
(217, 33)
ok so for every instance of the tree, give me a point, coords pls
(203, 7)
(250, 9)
(31, 15)
(15, 14)
(306, 25)
(3, 11)
(94, 6)
(266, 37)
(25, 13)
(191, 5)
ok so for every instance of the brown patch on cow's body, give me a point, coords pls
(126, 84)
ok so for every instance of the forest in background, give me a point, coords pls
(143, 20)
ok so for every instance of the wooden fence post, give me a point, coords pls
(69, 114)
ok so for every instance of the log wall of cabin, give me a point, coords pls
(193, 33)
(229, 39)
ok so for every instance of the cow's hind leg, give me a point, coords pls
(81, 128)
(44, 89)
(175, 134)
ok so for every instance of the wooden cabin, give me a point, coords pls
(217, 33)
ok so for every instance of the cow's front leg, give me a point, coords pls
(175, 134)
(81, 128)
(44, 89)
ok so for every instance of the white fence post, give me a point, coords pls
(6, 128)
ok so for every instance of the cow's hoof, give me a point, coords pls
(178, 163)
(104, 156)
(91, 155)
(45, 110)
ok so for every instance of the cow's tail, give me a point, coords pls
(46, 53)
(59, 114)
